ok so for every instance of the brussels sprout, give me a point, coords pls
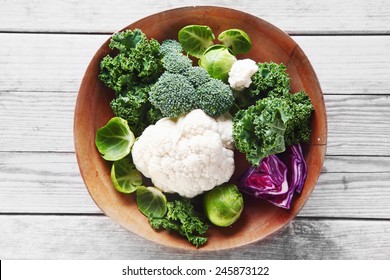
(236, 39)
(114, 140)
(217, 60)
(151, 202)
(223, 205)
(195, 39)
(124, 176)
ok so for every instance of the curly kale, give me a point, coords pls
(214, 97)
(182, 218)
(133, 106)
(130, 73)
(271, 124)
(138, 61)
(297, 127)
(270, 79)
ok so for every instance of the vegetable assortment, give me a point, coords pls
(178, 124)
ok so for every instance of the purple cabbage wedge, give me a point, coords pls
(277, 177)
(296, 166)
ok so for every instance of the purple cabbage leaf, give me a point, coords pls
(277, 177)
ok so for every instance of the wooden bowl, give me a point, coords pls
(259, 218)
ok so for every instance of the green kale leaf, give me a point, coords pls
(182, 218)
(272, 124)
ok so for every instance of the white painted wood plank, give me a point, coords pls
(56, 62)
(43, 121)
(43, 183)
(97, 237)
(51, 183)
(349, 64)
(358, 125)
(42, 62)
(303, 16)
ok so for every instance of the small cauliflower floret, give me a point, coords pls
(241, 72)
(188, 155)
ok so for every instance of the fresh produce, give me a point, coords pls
(130, 73)
(125, 177)
(270, 125)
(270, 79)
(173, 95)
(223, 205)
(183, 88)
(274, 180)
(296, 166)
(195, 39)
(182, 218)
(114, 140)
(236, 39)
(151, 202)
(188, 121)
(240, 75)
(217, 60)
(188, 155)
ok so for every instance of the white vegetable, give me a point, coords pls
(241, 72)
(189, 155)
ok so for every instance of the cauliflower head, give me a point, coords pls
(188, 155)
(241, 73)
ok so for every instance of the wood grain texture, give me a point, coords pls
(97, 237)
(51, 183)
(344, 64)
(305, 16)
(44, 123)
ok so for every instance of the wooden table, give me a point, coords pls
(45, 209)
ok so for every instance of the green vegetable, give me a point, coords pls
(298, 125)
(237, 40)
(170, 46)
(223, 205)
(271, 124)
(114, 140)
(124, 176)
(195, 39)
(217, 60)
(173, 95)
(130, 73)
(151, 202)
(197, 76)
(138, 61)
(135, 108)
(270, 80)
(182, 218)
(176, 63)
(214, 97)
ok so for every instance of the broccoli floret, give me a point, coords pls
(214, 97)
(134, 107)
(197, 76)
(173, 95)
(170, 46)
(176, 63)
(173, 59)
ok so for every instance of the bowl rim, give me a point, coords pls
(322, 145)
